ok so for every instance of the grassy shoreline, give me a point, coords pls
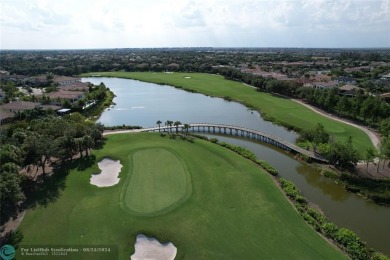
(277, 109)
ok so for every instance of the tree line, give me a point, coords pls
(362, 107)
(35, 145)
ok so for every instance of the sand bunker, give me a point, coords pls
(109, 173)
(150, 248)
(187, 77)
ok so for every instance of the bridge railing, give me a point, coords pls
(244, 129)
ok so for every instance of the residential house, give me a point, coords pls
(321, 85)
(385, 97)
(18, 106)
(5, 116)
(39, 80)
(345, 80)
(65, 81)
(386, 76)
(349, 90)
(71, 96)
(9, 110)
(78, 86)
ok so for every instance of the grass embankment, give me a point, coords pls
(95, 111)
(235, 210)
(280, 110)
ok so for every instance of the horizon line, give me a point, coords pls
(140, 48)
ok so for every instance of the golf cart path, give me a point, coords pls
(374, 137)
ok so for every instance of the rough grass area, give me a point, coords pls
(281, 110)
(158, 181)
(235, 210)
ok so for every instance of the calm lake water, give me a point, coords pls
(139, 103)
(142, 104)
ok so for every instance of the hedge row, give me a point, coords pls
(346, 239)
(247, 154)
(121, 127)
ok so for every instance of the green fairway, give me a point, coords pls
(281, 109)
(235, 210)
(158, 181)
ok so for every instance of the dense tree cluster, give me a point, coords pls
(35, 145)
(361, 107)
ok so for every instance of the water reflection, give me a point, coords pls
(140, 103)
(327, 186)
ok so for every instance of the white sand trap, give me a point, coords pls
(151, 249)
(109, 175)
(187, 77)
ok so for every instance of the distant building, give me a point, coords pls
(78, 86)
(9, 110)
(18, 106)
(5, 116)
(386, 76)
(349, 90)
(345, 80)
(65, 81)
(385, 97)
(321, 85)
(71, 96)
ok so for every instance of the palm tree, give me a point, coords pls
(186, 127)
(369, 155)
(159, 123)
(169, 123)
(87, 143)
(177, 123)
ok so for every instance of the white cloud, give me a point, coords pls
(152, 23)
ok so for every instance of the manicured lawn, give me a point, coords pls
(282, 109)
(235, 210)
(158, 180)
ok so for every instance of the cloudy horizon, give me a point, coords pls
(72, 24)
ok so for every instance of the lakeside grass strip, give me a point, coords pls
(344, 238)
(275, 108)
(235, 210)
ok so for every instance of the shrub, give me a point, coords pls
(301, 200)
(289, 188)
(311, 221)
(214, 140)
(267, 167)
(352, 244)
(330, 229)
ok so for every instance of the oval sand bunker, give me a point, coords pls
(150, 248)
(109, 173)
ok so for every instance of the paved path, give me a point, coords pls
(374, 137)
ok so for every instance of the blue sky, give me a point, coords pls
(70, 24)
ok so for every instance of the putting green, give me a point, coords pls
(158, 182)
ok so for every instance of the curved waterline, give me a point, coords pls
(368, 220)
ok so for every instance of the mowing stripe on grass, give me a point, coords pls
(158, 182)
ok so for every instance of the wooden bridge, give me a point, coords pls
(239, 131)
